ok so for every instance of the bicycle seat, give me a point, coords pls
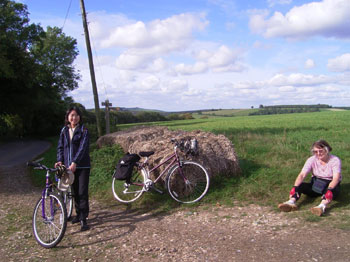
(146, 154)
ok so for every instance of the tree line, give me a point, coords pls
(297, 106)
(271, 110)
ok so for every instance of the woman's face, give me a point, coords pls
(320, 153)
(73, 118)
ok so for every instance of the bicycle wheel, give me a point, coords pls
(187, 183)
(128, 192)
(49, 220)
(68, 200)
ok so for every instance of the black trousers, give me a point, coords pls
(81, 192)
(306, 188)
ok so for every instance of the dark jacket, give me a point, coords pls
(77, 150)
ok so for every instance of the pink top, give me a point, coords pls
(332, 167)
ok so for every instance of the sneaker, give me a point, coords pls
(287, 206)
(318, 210)
(84, 225)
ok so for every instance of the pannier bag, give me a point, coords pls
(123, 170)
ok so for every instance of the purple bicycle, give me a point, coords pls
(50, 214)
(186, 181)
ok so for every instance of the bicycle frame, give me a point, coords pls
(174, 157)
(48, 186)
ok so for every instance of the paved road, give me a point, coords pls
(20, 151)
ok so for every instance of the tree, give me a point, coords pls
(36, 71)
(17, 68)
(56, 52)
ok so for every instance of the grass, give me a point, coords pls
(271, 149)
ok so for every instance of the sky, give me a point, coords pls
(176, 55)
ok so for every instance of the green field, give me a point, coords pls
(224, 112)
(238, 112)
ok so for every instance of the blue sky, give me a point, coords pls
(199, 54)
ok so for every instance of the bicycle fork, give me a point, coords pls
(44, 195)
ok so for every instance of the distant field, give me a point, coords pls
(239, 112)
(224, 112)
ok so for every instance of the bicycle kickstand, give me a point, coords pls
(156, 189)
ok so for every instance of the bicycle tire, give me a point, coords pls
(49, 230)
(187, 183)
(68, 200)
(129, 192)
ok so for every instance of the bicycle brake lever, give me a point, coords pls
(38, 160)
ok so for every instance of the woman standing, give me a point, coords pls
(326, 177)
(73, 152)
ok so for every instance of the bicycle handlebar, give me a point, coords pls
(188, 145)
(41, 166)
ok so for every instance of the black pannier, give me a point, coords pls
(123, 169)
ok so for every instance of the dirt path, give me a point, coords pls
(208, 233)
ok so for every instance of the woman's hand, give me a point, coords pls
(73, 167)
(58, 164)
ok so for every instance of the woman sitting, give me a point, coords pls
(326, 177)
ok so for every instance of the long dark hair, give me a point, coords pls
(76, 109)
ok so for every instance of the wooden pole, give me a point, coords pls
(92, 71)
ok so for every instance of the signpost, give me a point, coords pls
(107, 105)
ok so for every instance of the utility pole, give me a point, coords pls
(107, 104)
(92, 71)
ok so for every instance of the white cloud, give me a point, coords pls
(340, 63)
(299, 80)
(329, 18)
(286, 88)
(169, 34)
(142, 44)
(129, 60)
(101, 23)
(198, 67)
(331, 88)
(157, 65)
(126, 76)
(240, 85)
(272, 3)
(223, 59)
(174, 85)
(149, 83)
(309, 63)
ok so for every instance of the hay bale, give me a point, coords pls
(216, 152)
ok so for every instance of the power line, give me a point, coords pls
(99, 65)
(70, 3)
